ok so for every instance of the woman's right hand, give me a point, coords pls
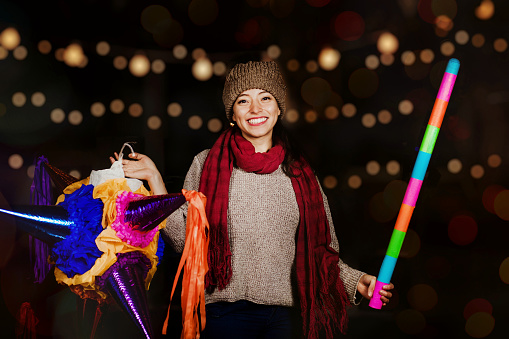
(143, 168)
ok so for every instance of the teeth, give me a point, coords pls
(257, 121)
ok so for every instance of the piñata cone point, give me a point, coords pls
(59, 177)
(46, 223)
(145, 213)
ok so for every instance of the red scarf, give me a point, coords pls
(322, 296)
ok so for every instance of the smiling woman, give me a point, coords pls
(274, 268)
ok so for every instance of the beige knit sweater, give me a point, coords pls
(263, 216)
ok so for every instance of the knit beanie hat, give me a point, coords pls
(254, 74)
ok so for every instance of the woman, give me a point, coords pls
(273, 252)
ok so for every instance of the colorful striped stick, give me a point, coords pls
(414, 185)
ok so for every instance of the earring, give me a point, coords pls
(232, 124)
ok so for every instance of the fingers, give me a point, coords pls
(371, 287)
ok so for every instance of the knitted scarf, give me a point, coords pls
(322, 296)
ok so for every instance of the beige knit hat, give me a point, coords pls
(254, 74)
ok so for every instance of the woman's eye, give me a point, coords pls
(266, 98)
(241, 101)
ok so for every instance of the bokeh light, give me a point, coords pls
(500, 45)
(447, 48)
(387, 43)
(195, 122)
(348, 110)
(219, 68)
(504, 271)
(354, 181)
(379, 210)
(485, 10)
(316, 91)
(75, 173)
(10, 38)
(461, 37)
(117, 106)
(179, 52)
(59, 54)
(154, 122)
(19, 99)
(349, 26)
(15, 161)
(426, 12)
(203, 12)
(392, 167)
(57, 115)
(214, 125)
(454, 166)
(174, 109)
(477, 171)
(38, 99)
(368, 120)
(120, 62)
(494, 160)
(462, 230)
(478, 40)
(44, 47)
(97, 109)
(408, 58)
(393, 194)
(20, 53)
(489, 195)
(329, 58)
(158, 66)
(310, 116)
(311, 66)
(3, 53)
(384, 117)
(135, 110)
(372, 61)
(167, 32)
(372, 167)
(331, 112)
(422, 297)
(410, 321)
(477, 305)
(387, 59)
(152, 17)
(102, 48)
(293, 65)
(31, 171)
(405, 107)
(291, 115)
(330, 182)
(73, 55)
(139, 65)
(363, 83)
(75, 117)
(273, 52)
(501, 205)
(202, 69)
(3, 109)
(480, 325)
(427, 56)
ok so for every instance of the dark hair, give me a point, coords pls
(292, 163)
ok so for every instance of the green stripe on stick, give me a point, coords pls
(429, 139)
(395, 243)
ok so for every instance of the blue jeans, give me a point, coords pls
(245, 319)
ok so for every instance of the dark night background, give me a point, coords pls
(453, 272)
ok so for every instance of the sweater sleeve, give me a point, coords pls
(348, 275)
(175, 231)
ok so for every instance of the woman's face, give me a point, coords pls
(256, 112)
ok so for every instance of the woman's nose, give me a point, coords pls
(256, 107)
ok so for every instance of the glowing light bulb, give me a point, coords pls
(139, 65)
(387, 43)
(10, 38)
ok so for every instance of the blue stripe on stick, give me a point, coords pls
(387, 269)
(421, 165)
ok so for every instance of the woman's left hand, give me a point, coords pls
(366, 286)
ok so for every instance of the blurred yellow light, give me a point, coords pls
(15, 161)
(480, 325)
(57, 115)
(329, 58)
(477, 171)
(387, 59)
(198, 53)
(139, 65)
(158, 66)
(117, 106)
(75, 173)
(368, 120)
(444, 23)
(330, 182)
(461, 37)
(3, 53)
(292, 65)
(310, 116)
(331, 112)
(406, 107)
(44, 46)
(478, 40)
(408, 58)
(75, 117)
(273, 51)
(384, 116)
(102, 48)
(20, 53)
(179, 52)
(97, 109)
(135, 110)
(372, 61)
(195, 122)
(219, 68)
(354, 181)
(447, 48)
(392, 167)
(59, 54)
(311, 66)
(291, 115)
(19, 99)
(10, 38)
(373, 167)
(454, 166)
(202, 69)
(485, 10)
(214, 125)
(387, 43)
(120, 62)
(38, 99)
(154, 122)
(500, 45)
(427, 56)
(73, 55)
(494, 160)
(174, 109)
(348, 110)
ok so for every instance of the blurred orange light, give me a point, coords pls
(139, 65)
(329, 58)
(73, 55)
(485, 10)
(501, 205)
(349, 26)
(10, 38)
(477, 305)
(387, 43)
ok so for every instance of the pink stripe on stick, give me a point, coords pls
(412, 191)
(445, 90)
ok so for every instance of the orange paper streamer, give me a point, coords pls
(194, 257)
